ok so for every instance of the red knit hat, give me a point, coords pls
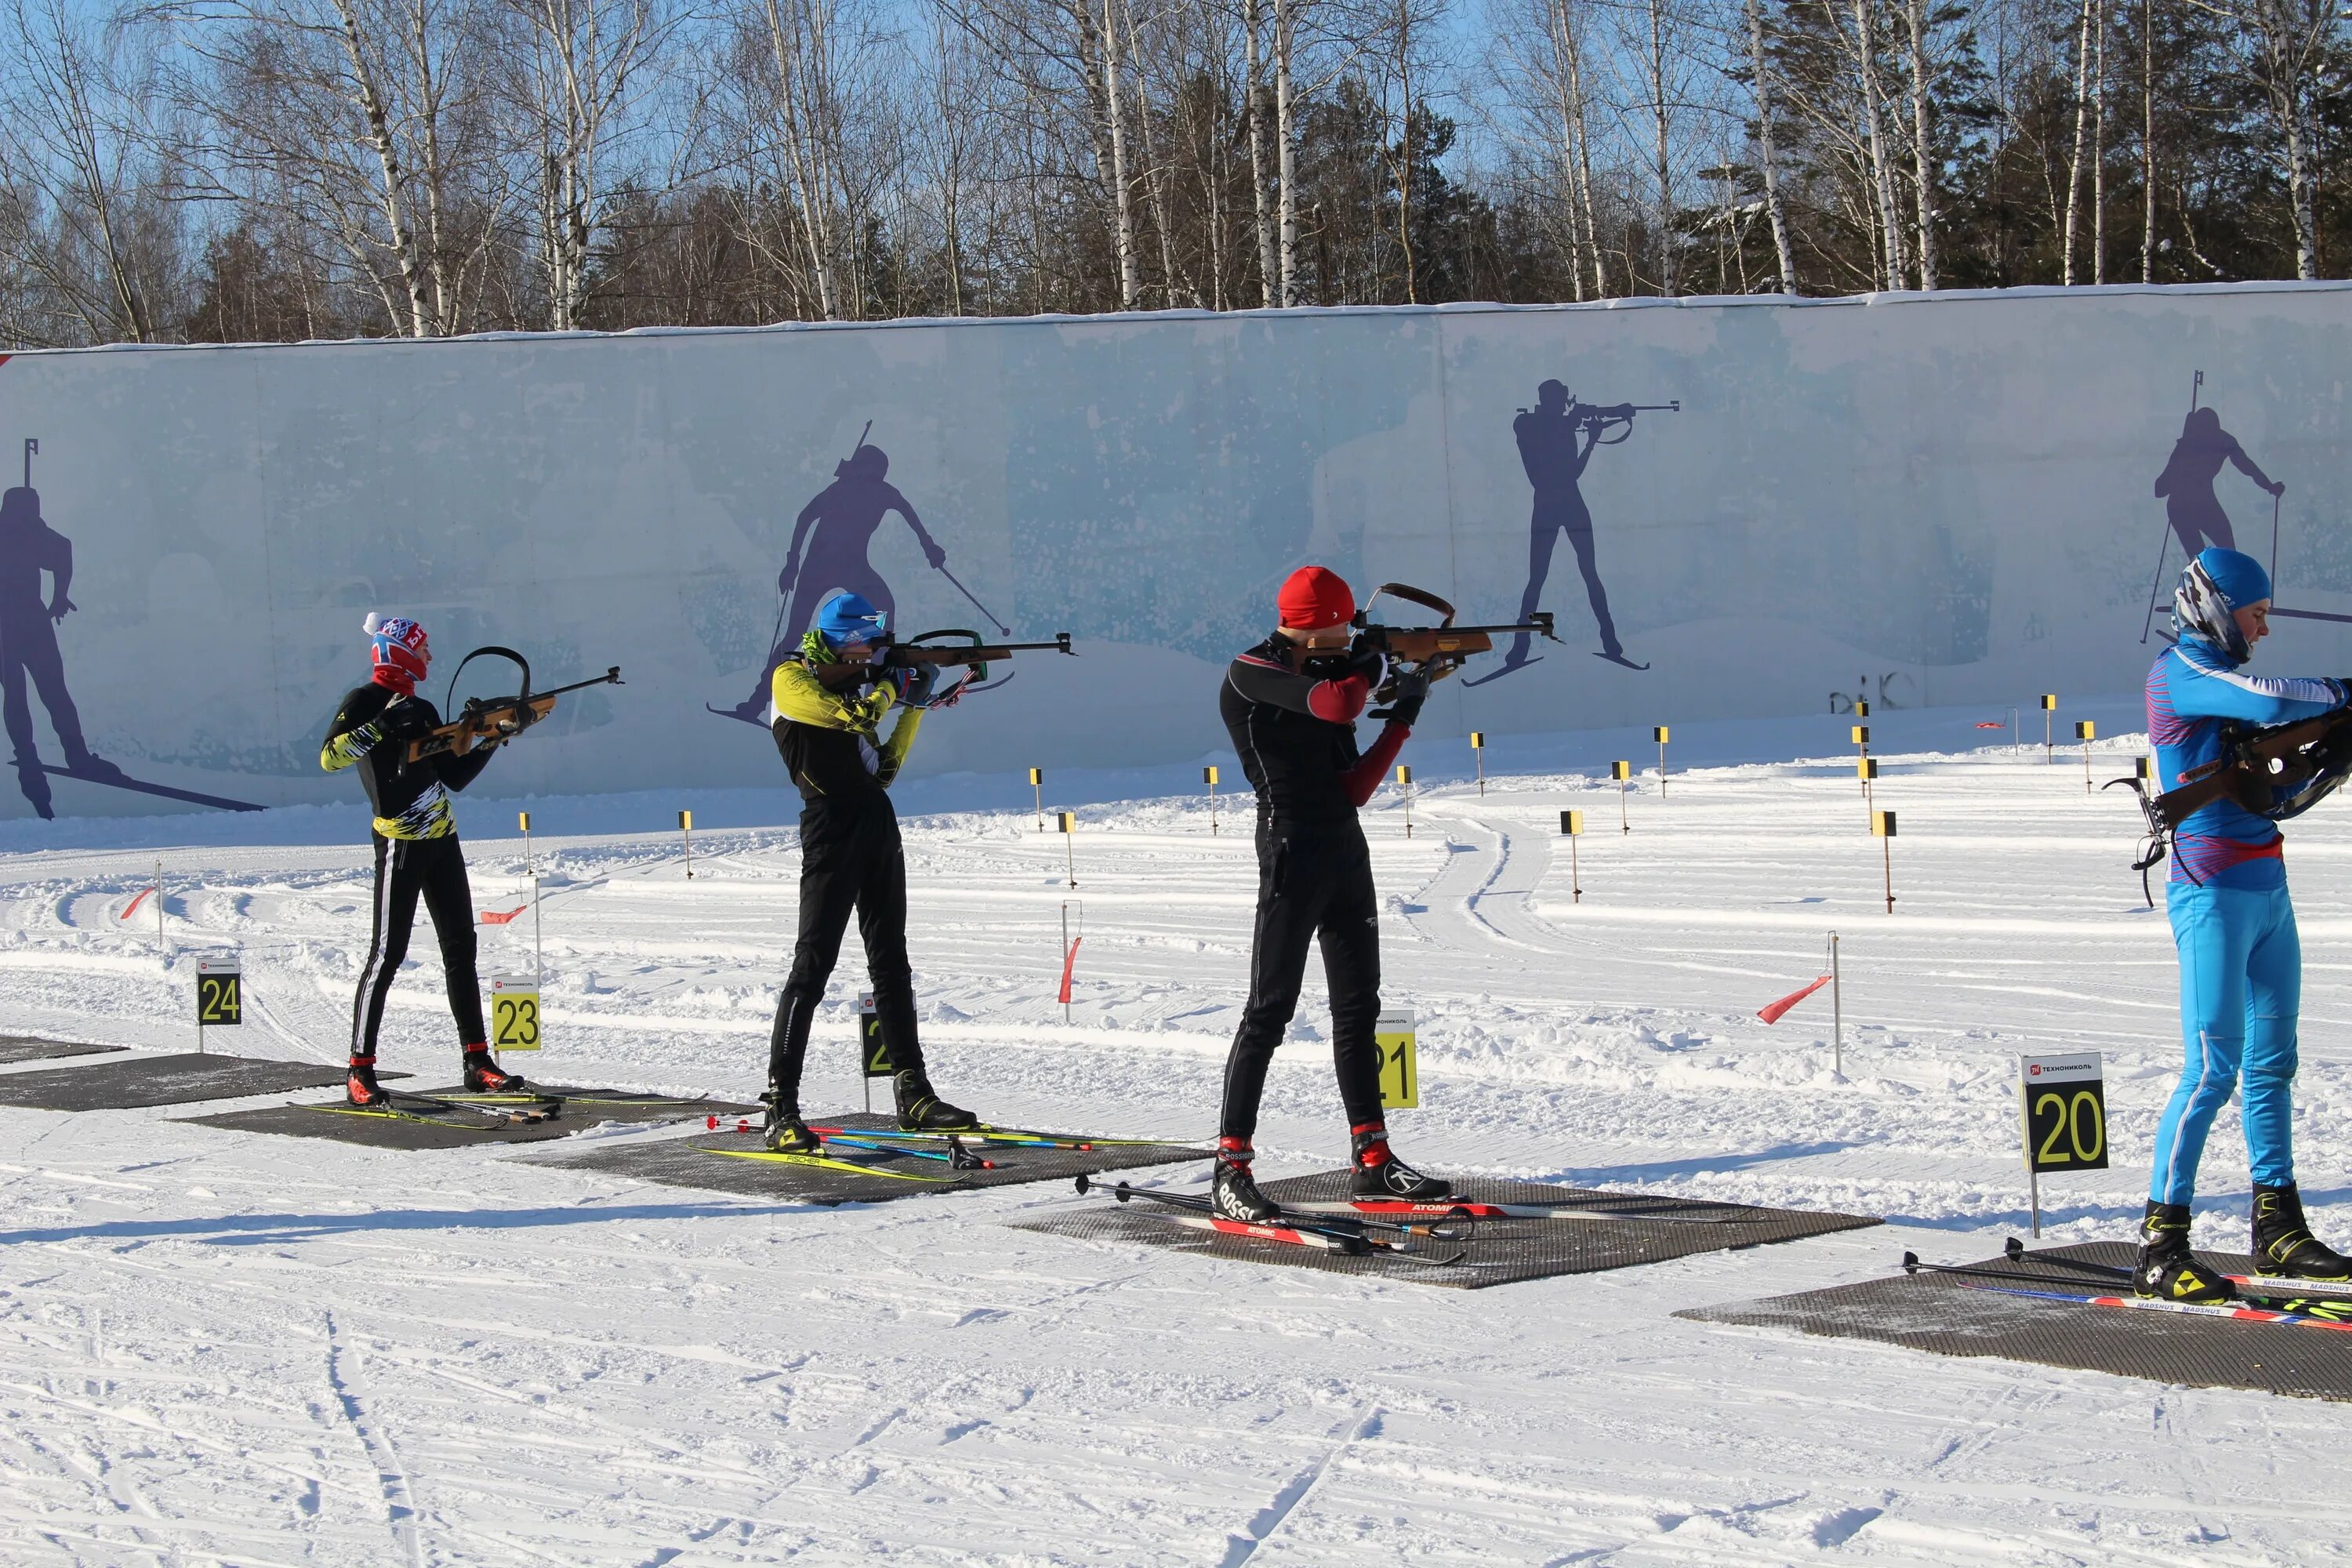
(1314, 598)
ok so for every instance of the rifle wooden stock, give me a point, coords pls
(1420, 644)
(490, 723)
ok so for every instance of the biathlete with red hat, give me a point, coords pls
(1291, 705)
(416, 851)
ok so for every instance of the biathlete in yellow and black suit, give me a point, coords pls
(416, 851)
(831, 702)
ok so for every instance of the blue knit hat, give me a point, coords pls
(847, 617)
(2238, 576)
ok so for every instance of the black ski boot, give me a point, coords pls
(361, 1088)
(920, 1109)
(1233, 1191)
(2167, 1269)
(484, 1076)
(2284, 1244)
(783, 1131)
(1381, 1174)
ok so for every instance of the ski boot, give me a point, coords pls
(1233, 1191)
(920, 1109)
(484, 1076)
(2283, 1244)
(1379, 1174)
(33, 781)
(2166, 1270)
(783, 1131)
(361, 1088)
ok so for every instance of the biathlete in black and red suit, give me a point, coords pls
(1291, 704)
(416, 851)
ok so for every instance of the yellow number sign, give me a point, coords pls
(514, 1014)
(2065, 1105)
(220, 993)
(1400, 1074)
(872, 1051)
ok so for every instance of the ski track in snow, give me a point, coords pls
(223, 1347)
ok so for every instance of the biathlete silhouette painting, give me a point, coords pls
(2194, 513)
(828, 554)
(31, 550)
(1557, 440)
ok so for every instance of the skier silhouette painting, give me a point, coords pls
(2186, 485)
(2193, 512)
(828, 555)
(1557, 440)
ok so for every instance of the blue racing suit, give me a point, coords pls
(2240, 961)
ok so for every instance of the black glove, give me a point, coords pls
(405, 718)
(1411, 690)
(1367, 661)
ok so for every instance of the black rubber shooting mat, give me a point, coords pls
(686, 1163)
(135, 1080)
(1944, 1314)
(583, 1108)
(1496, 1252)
(24, 1048)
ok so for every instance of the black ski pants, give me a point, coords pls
(406, 870)
(851, 861)
(1314, 884)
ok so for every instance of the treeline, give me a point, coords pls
(239, 170)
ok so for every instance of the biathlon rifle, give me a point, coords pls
(2279, 772)
(488, 721)
(936, 648)
(1435, 651)
(1599, 418)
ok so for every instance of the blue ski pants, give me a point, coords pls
(2241, 986)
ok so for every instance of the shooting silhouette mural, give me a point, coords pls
(1557, 440)
(29, 656)
(829, 555)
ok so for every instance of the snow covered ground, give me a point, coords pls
(235, 1347)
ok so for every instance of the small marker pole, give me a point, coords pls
(2087, 732)
(1621, 770)
(1404, 783)
(1881, 826)
(1067, 821)
(1038, 783)
(2049, 747)
(1208, 777)
(1837, 1012)
(1861, 707)
(1659, 735)
(538, 934)
(1862, 749)
(163, 943)
(1868, 769)
(686, 831)
(1572, 822)
(1478, 754)
(1065, 955)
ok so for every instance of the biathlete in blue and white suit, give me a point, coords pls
(2241, 963)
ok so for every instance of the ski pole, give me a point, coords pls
(2163, 548)
(2014, 1250)
(976, 604)
(2274, 522)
